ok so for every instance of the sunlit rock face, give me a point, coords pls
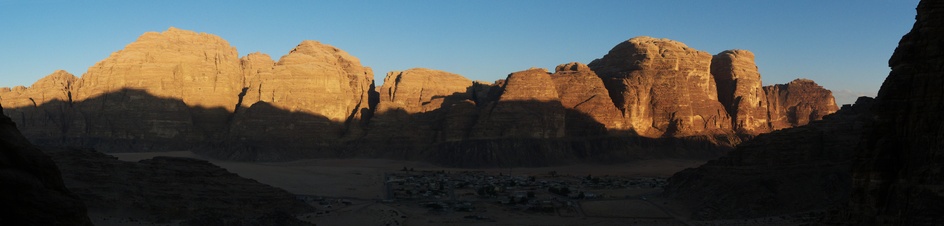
(43, 109)
(421, 90)
(315, 96)
(412, 110)
(200, 69)
(741, 91)
(176, 87)
(798, 103)
(590, 109)
(663, 87)
(528, 107)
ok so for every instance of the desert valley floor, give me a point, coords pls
(354, 192)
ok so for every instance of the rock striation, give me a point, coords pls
(591, 110)
(33, 192)
(528, 107)
(416, 100)
(663, 87)
(741, 91)
(43, 109)
(315, 97)
(798, 103)
(897, 177)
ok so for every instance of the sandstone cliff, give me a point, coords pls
(663, 87)
(591, 110)
(798, 103)
(416, 100)
(44, 109)
(32, 191)
(528, 107)
(897, 175)
(741, 91)
(314, 97)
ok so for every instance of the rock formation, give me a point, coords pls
(316, 96)
(897, 175)
(741, 91)
(591, 110)
(798, 103)
(663, 88)
(167, 189)
(44, 109)
(415, 100)
(182, 90)
(783, 172)
(32, 191)
(528, 107)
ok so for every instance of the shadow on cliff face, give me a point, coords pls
(460, 133)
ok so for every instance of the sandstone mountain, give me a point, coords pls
(316, 96)
(33, 192)
(663, 87)
(182, 90)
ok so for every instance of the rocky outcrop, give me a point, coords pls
(528, 107)
(783, 172)
(591, 111)
(897, 175)
(663, 88)
(798, 103)
(421, 90)
(44, 109)
(315, 97)
(168, 189)
(415, 100)
(741, 91)
(32, 191)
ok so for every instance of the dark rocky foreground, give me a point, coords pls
(173, 189)
(31, 188)
(878, 165)
(807, 168)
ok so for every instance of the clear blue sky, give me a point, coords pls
(842, 45)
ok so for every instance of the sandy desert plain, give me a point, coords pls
(354, 192)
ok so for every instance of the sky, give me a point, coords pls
(843, 45)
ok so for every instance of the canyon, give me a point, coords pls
(183, 90)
